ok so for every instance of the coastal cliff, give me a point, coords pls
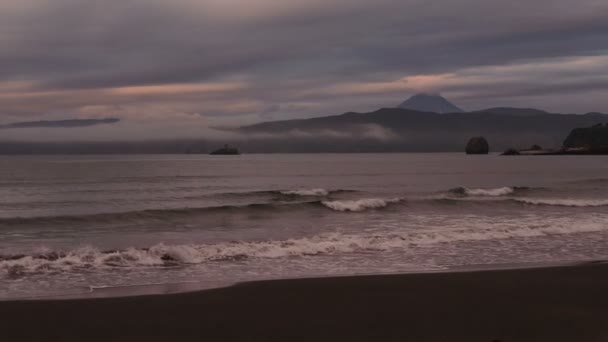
(588, 140)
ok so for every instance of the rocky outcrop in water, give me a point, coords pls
(478, 145)
(593, 140)
(511, 152)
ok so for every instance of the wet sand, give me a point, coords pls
(568, 303)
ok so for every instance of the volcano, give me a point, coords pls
(434, 103)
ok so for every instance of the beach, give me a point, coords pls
(558, 303)
(380, 247)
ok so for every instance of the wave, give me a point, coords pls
(313, 192)
(276, 206)
(355, 205)
(307, 192)
(579, 203)
(492, 192)
(152, 213)
(360, 205)
(87, 258)
(590, 181)
(548, 202)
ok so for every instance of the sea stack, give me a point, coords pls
(478, 145)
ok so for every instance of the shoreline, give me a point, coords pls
(154, 289)
(556, 303)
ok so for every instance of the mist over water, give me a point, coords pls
(69, 224)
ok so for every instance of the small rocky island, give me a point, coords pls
(534, 149)
(478, 145)
(227, 150)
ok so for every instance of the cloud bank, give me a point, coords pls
(181, 67)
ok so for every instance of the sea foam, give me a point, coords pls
(360, 204)
(161, 255)
(564, 202)
(495, 192)
(306, 192)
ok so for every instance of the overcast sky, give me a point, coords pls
(176, 67)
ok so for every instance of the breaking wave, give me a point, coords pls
(278, 194)
(346, 205)
(547, 202)
(87, 258)
(495, 192)
(579, 203)
(306, 192)
(279, 208)
(360, 205)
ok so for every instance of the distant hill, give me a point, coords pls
(405, 130)
(514, 111)
(433, 103)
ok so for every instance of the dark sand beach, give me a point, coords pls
(566, 303)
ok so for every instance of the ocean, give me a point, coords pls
(72, 225)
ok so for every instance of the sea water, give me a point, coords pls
(70, 224)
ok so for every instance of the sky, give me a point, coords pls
(181, 68)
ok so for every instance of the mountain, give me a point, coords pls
(433, 103)
(403, 130)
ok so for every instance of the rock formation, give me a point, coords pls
(588, 140)
(478, 145)
(511, 152)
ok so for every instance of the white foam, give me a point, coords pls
(489, 192)
(306, 192)
(564, 202)
(324, 244)
(359, 205)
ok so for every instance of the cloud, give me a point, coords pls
(70, 123)
(232, 62)
(525, 79)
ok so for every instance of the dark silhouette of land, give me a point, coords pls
(589, 139)
(384, 130)
(412, 131)
(477, 145)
